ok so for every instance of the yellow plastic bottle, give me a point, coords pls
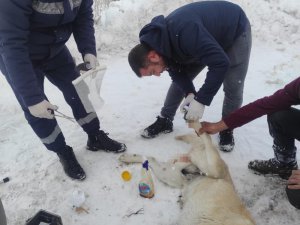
(146, 185)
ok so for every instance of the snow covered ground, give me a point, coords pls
(131, 104)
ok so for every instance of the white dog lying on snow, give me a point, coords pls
(206, 200)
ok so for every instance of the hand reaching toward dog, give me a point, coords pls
(212, 128)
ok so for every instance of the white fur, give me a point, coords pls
(206, 200)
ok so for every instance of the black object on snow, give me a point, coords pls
(45, 217)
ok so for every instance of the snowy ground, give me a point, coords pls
(131, 104)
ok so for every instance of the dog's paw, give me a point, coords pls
(130, 158)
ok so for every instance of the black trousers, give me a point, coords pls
(284, 127)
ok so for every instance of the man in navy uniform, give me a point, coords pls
(33, 34)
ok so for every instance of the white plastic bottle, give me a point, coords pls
(146, 185)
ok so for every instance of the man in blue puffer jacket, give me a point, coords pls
(33, 34)
(216, 34)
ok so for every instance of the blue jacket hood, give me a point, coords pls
(155, 34)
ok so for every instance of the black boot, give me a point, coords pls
(70, 164)
(161, 125)
(226, 140)
(102, 142)
(272, 166)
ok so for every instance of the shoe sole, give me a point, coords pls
(150, 137)
(275, 175)
(75, 178)
(123, 149)
(226, 148)
(79, 179)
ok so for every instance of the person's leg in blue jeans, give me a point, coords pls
(284, 128)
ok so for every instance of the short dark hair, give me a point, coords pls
(137, 57)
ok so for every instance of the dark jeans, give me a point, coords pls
(284, 128)
(233, 84)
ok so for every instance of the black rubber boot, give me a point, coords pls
(70, 164)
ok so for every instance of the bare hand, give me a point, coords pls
(294, 180)
(212, 128)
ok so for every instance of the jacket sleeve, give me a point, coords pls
(83, 29)
(280, 100)
(14, 31)
(205, 49)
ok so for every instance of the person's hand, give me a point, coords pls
(91, 61)
(212, 128)
(43, 109)
(195, 111)
(185, 104)
(294, 180)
